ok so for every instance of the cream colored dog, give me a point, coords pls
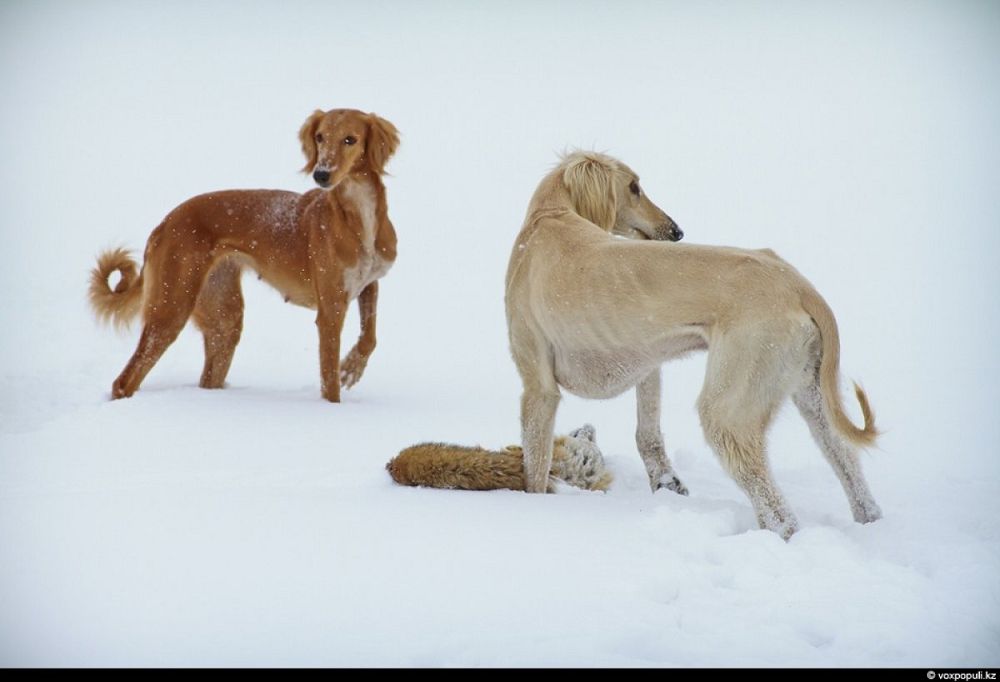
(598, 315)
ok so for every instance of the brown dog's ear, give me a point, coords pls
(383, 138)
(590, 179)
(307, 136)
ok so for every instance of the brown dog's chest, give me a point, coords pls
(373, 258)
(303, 243)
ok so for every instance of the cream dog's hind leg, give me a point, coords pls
(841, 455)
(745, 383)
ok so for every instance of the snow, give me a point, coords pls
(257, 526)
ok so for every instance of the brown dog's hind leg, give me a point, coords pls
(157, 335)
(173, 288)
(219, 314)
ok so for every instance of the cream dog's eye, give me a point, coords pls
(634, 188)
(350, 139)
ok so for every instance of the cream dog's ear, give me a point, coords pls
(591, 184)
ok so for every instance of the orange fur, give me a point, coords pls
(321, 249)
(442, 465)
(122, 303)
(576, 460)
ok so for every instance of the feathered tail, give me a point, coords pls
(829, 375)
(123, 303)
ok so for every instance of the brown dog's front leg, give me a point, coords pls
(353, 366)
(330, 322)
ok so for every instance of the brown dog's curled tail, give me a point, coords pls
(121, 304)
(829, 375)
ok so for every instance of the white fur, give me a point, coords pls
(371, 265)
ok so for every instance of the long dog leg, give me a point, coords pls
(841, 455)
(539, 402)
(736, 406)
(332, 306)
(649, 439)
(742, 455)
(173, 289)
(538, 417)
(353, 365)
(219, 314)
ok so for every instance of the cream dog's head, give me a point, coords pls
(607, 193)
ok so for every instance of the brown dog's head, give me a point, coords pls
(344, 141)
(606, 192)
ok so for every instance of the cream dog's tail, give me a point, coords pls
(123, 303)
(829, 375)
(576, 460)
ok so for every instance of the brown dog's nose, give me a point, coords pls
(321, 177)
(675, 234)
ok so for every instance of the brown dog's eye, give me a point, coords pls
(319, 137)
(350, 139)
(634, 188)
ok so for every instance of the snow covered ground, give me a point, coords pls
(257, 526)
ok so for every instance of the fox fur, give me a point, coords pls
(576, 460)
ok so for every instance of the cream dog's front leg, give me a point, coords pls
(538, 418)
(649, 439)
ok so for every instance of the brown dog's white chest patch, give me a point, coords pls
(371, 265)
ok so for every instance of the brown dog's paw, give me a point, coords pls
(352, 367)
(118, 390)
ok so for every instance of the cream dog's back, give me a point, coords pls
(622, 308)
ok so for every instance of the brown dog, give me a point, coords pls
(321, 249)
